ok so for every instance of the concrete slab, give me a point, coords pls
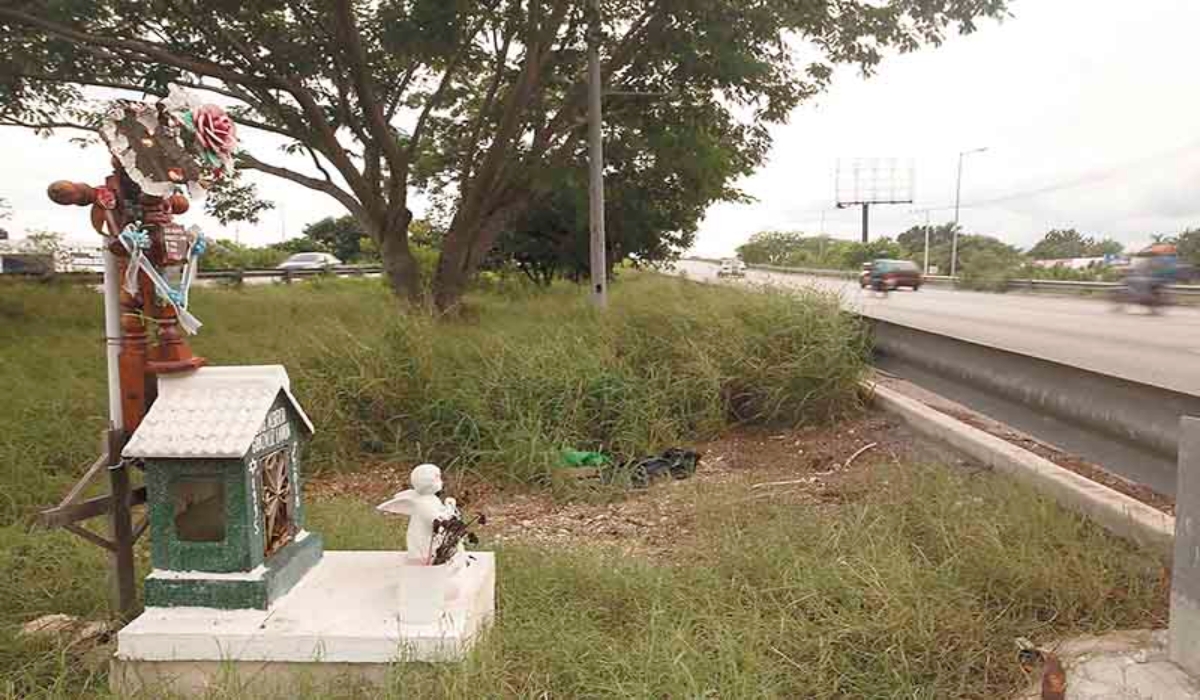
(1131, 665)
(343, 617)
(1185, 574)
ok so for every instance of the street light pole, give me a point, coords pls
(927, 241)
(957, 200)
(599, 255)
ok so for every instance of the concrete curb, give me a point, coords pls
(1116, 512)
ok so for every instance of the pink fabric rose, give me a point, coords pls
(214, 129)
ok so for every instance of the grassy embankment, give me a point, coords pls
(916, 590)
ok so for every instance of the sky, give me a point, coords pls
(1089, 111)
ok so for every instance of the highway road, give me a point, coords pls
(1162, 350)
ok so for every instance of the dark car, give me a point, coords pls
(891, 274)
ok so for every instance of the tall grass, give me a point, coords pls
(668, 363)
(916, 591)
(502, 392)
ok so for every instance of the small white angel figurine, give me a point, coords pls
(422, 506)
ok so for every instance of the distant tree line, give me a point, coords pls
(983, 261)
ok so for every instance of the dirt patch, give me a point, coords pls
(814, 466)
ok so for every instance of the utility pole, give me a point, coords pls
(866, 226)
(599, 254)
(957, 200)
(927, 241)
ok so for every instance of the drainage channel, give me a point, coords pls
(1125, 459)
(1129, 429)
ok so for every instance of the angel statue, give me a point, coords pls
(430, 520)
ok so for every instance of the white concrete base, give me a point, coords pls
(1129, 665)
(345, 614)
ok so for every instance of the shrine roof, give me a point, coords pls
(213, 412)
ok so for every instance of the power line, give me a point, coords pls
(1078, 181)
(1086, 178)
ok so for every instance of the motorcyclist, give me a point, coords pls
(1152, 271)
(1163, 268)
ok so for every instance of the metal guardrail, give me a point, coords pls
(1027, 285)
(231, 276)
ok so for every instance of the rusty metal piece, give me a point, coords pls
(1054, 678)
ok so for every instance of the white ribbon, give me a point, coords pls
(138, 261)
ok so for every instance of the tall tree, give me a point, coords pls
(913, 239)
(773, 247)
(480, 101)
(1069, 243)
(1187, 244)
(666, 163)
(341, 236)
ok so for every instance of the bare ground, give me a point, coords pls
(821, 466)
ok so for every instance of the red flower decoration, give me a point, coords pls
(214, 129)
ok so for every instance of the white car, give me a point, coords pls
(732, 268)
(309, 261)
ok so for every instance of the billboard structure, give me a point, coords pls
(861, 182)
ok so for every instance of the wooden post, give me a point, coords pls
(124, 583)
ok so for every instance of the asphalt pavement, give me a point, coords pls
(1163, 350)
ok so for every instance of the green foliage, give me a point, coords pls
(1092, 273)
(498, 88)
(1069, 243)
(795, 249)
(1187, 244)
(233, 199)
(223, 254)
(986, 264)
(45, 242)
(940, 236)
(671, 362)
(858, 253)
(341, 236)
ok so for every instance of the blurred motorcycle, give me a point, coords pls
(1141, 293)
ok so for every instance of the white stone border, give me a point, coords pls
(1116, 512)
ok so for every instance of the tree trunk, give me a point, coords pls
(466, 245)
(399, 265)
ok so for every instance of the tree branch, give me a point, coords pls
(247, 161)
(472, 142)
(134, 46)
(363, 85)
(620, 57)
(46, 125)
(263, 126)
(317, 162)
(447, 75)
(398, 89)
